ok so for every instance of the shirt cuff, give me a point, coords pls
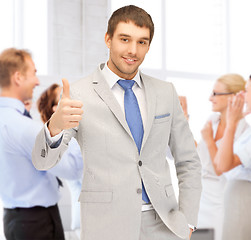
(192, 227)
(49, 139)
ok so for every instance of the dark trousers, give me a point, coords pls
(36, 223)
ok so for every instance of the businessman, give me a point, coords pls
(29, 196)
(124, 121)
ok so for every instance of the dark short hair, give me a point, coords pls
(130, 13)
(11, 61)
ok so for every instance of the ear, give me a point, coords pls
(108, 40)
(17, 78)
(54, 108)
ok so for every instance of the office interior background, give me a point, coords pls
(195, 42)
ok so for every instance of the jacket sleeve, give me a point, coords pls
(187, 163)
(44, 156)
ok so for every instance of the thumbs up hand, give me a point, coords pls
(68, 114)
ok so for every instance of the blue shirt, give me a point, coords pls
(70, 166)
(21, 185)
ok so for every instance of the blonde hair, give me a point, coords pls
(233, 82)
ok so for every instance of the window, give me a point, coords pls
(24, 24)
(195, 36)
(239, 37)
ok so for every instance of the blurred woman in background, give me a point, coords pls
(213, 181)
(236, 155)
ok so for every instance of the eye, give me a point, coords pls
(124, 40)
(142, 42)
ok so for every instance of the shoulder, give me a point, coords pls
(85, 81)
(242, 147)
(83, 85)
(243, 143)
(241, 128)
(155, 81)
(160, 87)
(21, 130)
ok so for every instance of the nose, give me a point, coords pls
(132, 48)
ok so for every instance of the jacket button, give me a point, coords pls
(140, 163)
(43, 153)
(139, 190)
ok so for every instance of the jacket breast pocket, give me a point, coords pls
(95, 197)
(162, 118)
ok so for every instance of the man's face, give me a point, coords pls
(128, 48)
(248, 96)
(29, 80)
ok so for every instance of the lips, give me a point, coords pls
(129, 60)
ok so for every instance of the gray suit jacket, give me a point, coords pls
(111, 189)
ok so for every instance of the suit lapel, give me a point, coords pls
(151, 106)
(103, 90)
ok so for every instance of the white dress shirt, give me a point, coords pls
(118, 91)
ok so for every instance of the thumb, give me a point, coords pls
(66, 88)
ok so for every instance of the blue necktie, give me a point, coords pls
(27, 114)
(134, 120)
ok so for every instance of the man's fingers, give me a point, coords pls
(66, 88)
(75, 118)
(71, 125)
(72, 118)
(72, 111)
(75, 103)
(71, 103)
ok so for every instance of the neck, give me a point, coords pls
(223, 118)
(8, 92)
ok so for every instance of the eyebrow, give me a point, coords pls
(126, 35)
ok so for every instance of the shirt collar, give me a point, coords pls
(7, 102)
(112, 78)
